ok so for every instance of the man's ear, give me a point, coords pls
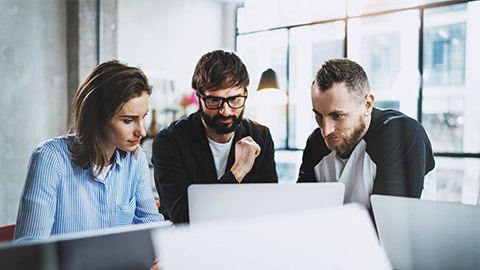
(369, 98)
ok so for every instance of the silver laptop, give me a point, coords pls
(419, 234)
(209, 202)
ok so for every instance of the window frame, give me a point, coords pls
(346, 19)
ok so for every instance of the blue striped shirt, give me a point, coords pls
(60, 197)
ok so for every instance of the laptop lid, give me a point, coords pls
(341, 237)
(127, 247)
(207, 202)
(420, 234)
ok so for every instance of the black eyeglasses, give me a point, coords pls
(214, 103)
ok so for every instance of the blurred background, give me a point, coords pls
(420, 56)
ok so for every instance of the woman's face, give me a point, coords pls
(127, 127)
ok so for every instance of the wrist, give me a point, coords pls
(238, 173)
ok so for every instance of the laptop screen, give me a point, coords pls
(208, 202)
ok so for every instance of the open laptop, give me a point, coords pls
(209, 202)
(419, 234)
(341, 237)
(127, 247)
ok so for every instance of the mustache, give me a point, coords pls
(333, 136)
(221, 117)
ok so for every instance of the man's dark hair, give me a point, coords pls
(102, 95)
(342, 70)
(219, 70)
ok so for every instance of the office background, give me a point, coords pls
(420, 55)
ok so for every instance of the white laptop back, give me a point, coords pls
(330, 238)
(419, 234)
(207, 202)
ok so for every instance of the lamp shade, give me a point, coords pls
(268, 80)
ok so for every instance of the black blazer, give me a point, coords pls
(182, 156)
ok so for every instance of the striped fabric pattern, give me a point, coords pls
(60, 197)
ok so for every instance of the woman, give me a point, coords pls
(97, 176)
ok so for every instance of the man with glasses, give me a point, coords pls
(215, 144)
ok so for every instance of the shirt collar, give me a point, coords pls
(118, 162)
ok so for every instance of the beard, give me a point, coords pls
(345, 148)
(214, 124)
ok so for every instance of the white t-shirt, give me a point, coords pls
(220, 153)
(357, 173)
(103, 174)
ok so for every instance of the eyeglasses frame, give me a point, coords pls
(204, 98)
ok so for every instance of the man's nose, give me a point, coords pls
(225, 109)
(327, 127)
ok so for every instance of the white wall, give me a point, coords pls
(166, 38)
(33, 100)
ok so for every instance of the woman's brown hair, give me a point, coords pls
(103, 93)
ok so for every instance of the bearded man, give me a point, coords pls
(215, 144)
(371, 151)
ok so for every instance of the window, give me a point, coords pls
(387, 48)
(445, 54)
(451, 93)
(310, 46)
(387, 38)
(449, 113)
(259, 52)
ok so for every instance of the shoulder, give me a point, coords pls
(392, 133)
(316, 138)
(259, 133)
(178, 130)
(182, 127)
(53, 154)
(59, 146)
(255, 128)
(394, 125)
(316, 144)
(179, 136)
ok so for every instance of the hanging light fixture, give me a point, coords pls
(268, 80)
(268, 91)
(268, 103)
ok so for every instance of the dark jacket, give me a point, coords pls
(398, 146)
(182, 156)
